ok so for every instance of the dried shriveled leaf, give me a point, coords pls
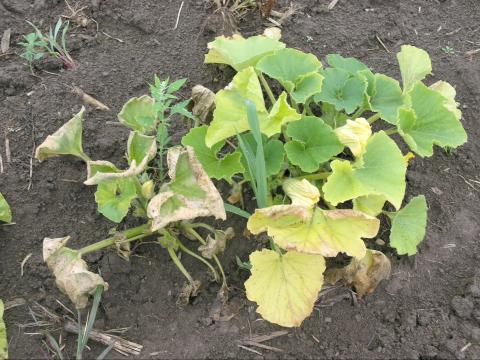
(3, 335)
(189, 194)
(71, 272)
(5, 212)
(216, 245)
(140, 150)
(355, 134)
(203, 102)
(315, 231)
(363, 274)
(189, 290)
(285, 287)
(65, 141)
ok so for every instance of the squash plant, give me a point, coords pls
(321, 175)
(167, 207)
(5, 212)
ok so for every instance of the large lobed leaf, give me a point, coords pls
(188, 195)
(240, 53)
(65, 141)
(285, 287)
(216, 167)
(415, 65)
(429, 122)
(139, 114)
(315, 231)
(380, 171)
(408, 226)
(313, 142)
(5, 212)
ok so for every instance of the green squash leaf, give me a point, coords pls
(230, 115)
(380, 171)
(313, 142)
(387, 98)
(415, 65)
(190, 193)
(449, 93)
(285, 287)
(115, 197)
(314, 230)
(429, 122)
(408, 226)
(342, 90)
(139, 147)
(333, 117)
(65, 141)
(3, 335)
(370, 204)
(5, 212)
(240, 53)
(306, 87)
(272, 150)
(217, 168)
(139, 114)
(280, 115)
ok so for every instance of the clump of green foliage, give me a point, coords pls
(5, 211)
(167, 207)
(322, 177)
(36, 45)
(3, 334)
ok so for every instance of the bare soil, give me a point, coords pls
(430, 308)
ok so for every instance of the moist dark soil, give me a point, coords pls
(429, 308)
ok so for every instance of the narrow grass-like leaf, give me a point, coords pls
(236, 210)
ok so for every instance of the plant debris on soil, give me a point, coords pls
(430, 306)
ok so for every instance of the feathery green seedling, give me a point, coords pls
(37, 45)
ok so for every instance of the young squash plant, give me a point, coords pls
(168, 207)
(5, 211)
(322, 176)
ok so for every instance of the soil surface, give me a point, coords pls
(430, 307)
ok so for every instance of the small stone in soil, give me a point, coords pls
(462, 307)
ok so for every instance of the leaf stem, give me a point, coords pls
(135, 233)
(391, 131)
(373, 118)
(317, 176)
(199, 258)
(358, 113)
(267, 88)
(179, 265)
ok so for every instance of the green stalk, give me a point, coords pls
(201, 225)
(358, 113)
(391, 131)
(317, 176)
(130, 235)
(373, 118)
(198, 257)
(267, 88)
(179, 265)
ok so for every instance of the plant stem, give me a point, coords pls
(317, 176)
(179, 265)
(357, 113)
(267, 88)
(373, 118)
(198, 257)
(201, 225)
(391, 131)
(130, 235)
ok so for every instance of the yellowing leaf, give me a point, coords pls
(65, 141)
(280, 114)
(315, 231)
(71, 272)
(355, 134)
(380, 171)
(449, 93)
(139, 114)
(370, 204)
(302, 192)
(230, 115)
(239, 52)
(189, 194)
(285, 287)
(415, 65)
(363, 274)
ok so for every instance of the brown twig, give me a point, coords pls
(88, 99)
(381, 43)
(332, 4)
(5, 43)
(178, 16)
(8, 154)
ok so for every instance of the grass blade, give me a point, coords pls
(260, 169)
(83, 339)
(236, 210)
(250, 157)
(106, 351)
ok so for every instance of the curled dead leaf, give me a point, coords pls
(71, 271)
(203, 102)
(217, 244)
(364, 274)
(189, 290)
